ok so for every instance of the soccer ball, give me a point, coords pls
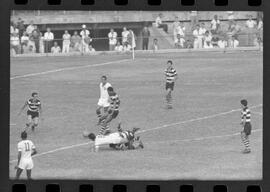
(86, 133)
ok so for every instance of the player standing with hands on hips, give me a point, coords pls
(170, 76)
(245, 122)
(26, 149)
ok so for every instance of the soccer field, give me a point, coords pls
(198, 139)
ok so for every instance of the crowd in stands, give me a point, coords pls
(29, 38)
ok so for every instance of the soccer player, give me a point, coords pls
(245, 122)
(120, 140)
(171, 76)
(103, 102)
(33, 112)
(26, 149)
(111, 113)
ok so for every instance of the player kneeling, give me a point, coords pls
(121, 140)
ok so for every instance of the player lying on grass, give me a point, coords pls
(33, 112)
(111, 113)
(26, 149)
(120, 140)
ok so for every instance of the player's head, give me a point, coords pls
(35, 95)
(104, 79)
(92, 136)
(169, 63)
(23, 135)
(135, 129)
(110, 90)
(244, 102)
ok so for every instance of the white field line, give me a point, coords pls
(68, 68)
(178, 123)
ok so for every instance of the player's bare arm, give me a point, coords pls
(19, 159)
(34, 152)
(23, 107)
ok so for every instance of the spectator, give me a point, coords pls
(55, 48)
(48, 40)
(193, 19)
(198, 34)
(41, 43)
(155, 45)
(20, 25)
(127, 47)
(215, 25)
(260, 30)
(15, 43)
(75, 41)
(119, 48)
(159, 23)
(24, 40)
(13, 28)
(145, 36)
(131, 39)
(233, 30)
(66, 42)
(176, 24)
(112, 39)
(189, 44)
(91, 49)
(85, 39)
(30, 28)
(233, 42)
(35, 36)
(125, 33)
(222, 43)
(215, 40)
(207, 40)
(179, 43)
(230, 16)
(250, 24)
(181, 31)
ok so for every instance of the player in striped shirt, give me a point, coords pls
(120, 140)
(245, 122)
(171, 76)
(33, 112)
(112, 112)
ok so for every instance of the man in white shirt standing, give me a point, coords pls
(112, 39)
(85, 39)
(30, 28)
(250, 24)
(66, 42)
(103, 102)
(215, 24)
(125, 36)
(198, 34)
(26, 149)
(48, 40)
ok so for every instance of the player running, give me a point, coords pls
(245, 122)
(26, 149)
(121, 140)
(171, 76)
(103, 102)
(112, 112)
(33, 112)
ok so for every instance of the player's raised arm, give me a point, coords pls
(34, 152)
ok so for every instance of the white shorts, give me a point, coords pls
(26, 164)
(103, 102)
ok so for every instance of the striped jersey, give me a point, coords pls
(245, 114)
(34, 105)
(170, 74)
(129, 135)
(114, 101)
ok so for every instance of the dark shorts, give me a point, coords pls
(169, 86)
(33, 114)
(247, 128)
(115, 114)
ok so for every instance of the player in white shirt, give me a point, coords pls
(250, 23)
(26, 149)
(103, 102)
(66, 42)
(119, 140)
